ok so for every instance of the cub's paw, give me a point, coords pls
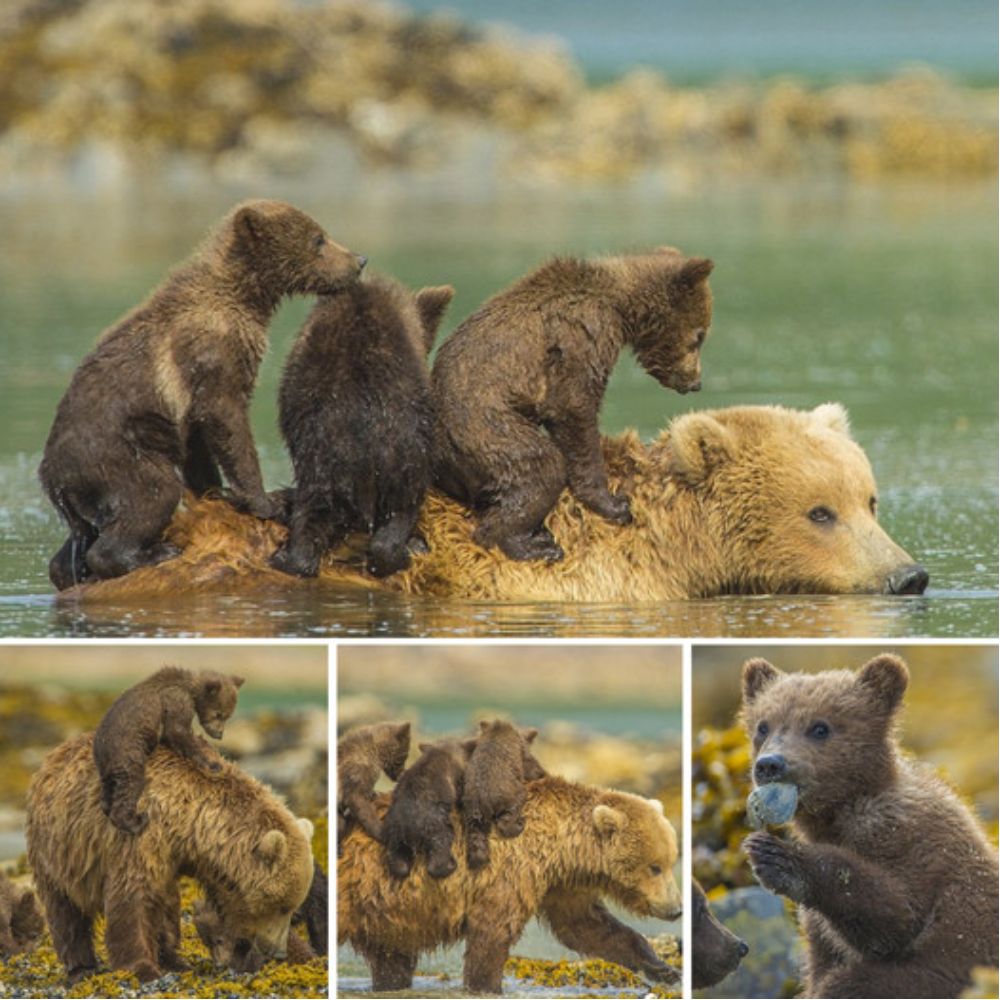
(286, 561)
(616, 509)
(777, 865)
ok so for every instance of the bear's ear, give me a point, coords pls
(699, 444)
(424, 747)
(236, 681)
(272, 847)
(469, 746)
(757, 675)
(657, 805)
(248, 224)
(884, 679)
(608, 821)
(305, 825)
(483, 725)
(695, 270)
(403, 733)
(528, 735)
(431, 304)
(833, 416)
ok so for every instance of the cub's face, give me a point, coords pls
(829, 733)
(216, 702)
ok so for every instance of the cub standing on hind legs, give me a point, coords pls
(518, 386)
(162, 401)
(896, 882)
(355, 406)
(159, 709)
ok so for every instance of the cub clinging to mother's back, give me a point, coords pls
(161, 403)
(518, 386)
(355, 413)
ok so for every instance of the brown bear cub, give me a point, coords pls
(716, 951)
(418, 820)
(518, 386)
(363, 754)
(355, 411)
(896, 882)
(21, 921)
(493, 791)
(158, 710)
(161, 403)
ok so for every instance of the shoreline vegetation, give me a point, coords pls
(105, 90)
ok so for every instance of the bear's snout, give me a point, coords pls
(362, 260)
(910, 579)
(770, 767)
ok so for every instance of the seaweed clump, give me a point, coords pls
(593, 974)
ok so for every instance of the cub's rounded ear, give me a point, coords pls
(695, 270)
(484, 725)
(833, 416)
(469, 746)
(757, 675)
(248, 224)
(657, 806)
(608, 821)
(272, 847)
(403, 732)
(306, 826)
(699, 445)
(424, 747)
(528, 735)
(431, 304)
(237, 681)
(885, 679)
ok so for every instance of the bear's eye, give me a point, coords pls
(763, 729)
(656, 869)
(320, 241)
(818, 731)
(873, 506)
(822, 515)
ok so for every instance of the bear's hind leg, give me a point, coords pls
(126, 789)
(390, 969)
(134, 922)
(490, 933)
(72, 932)
(133, 538)
(388, 551)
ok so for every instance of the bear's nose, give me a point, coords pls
(362, 260)
(743, 948)
(911, 579)
(770, 767)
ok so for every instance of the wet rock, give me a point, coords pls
(772, 804)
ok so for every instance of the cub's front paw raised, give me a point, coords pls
(777, 865)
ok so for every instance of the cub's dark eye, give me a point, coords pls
(873, 506)
(763, 729)
(320, 241)
(699, 338)
(822, 515)
(818, 731)
(656, 869)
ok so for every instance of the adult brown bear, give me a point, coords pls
(745, 500)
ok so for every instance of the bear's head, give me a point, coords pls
(257, 913)
(215, 700)
(21, 921)
(830, 734)
(716, 950)
(638, 850)
(287, 251)
(392, 747)
(666, 311)
(790, 501)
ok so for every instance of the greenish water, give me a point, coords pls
(884, 300)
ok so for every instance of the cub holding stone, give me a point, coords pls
(356, 416)
(362, 754)
(579, 844)
(518, 386)
(896, 882)
(419, 820)
(493, 790)
(162, 401)
(158, 710)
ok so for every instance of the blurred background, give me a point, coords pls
(607, 716)
(949, 721)
(837, 161)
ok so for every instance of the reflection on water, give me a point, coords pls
(354, 615)
(883, 300)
